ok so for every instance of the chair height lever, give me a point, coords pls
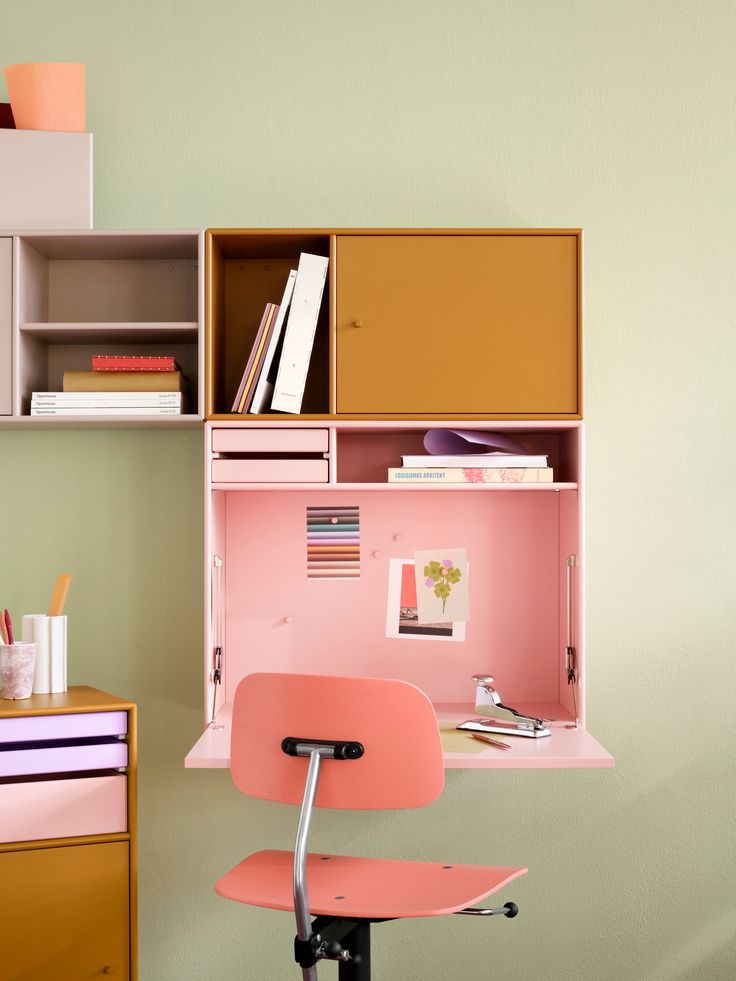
(510, 910)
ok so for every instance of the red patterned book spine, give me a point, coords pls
(108, 362)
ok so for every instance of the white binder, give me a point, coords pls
(300, 331)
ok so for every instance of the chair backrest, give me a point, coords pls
(402, 765)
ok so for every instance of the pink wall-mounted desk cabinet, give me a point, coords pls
(266, 612)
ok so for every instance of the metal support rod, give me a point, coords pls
(301, 897)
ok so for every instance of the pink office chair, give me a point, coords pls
(362, 743)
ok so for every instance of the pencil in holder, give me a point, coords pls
(49, 634)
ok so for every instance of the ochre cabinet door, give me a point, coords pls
(452, 324)
(64, 913)
(6, 311)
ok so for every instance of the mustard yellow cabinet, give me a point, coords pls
(455, 324)
(68, 909)
(65, 913)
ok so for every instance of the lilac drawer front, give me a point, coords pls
(21, 759)
(269, 441)
(63, 808)
(27, 728)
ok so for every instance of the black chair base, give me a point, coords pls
(346, 941)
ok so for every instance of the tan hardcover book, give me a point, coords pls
(124, 381)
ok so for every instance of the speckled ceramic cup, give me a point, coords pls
(17, 664)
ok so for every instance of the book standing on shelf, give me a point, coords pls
(247, 383)
(269, 368)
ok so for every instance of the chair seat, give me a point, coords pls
(363, 888)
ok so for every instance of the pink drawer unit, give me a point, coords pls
(236, 471)
(32, 810)
(19, 759)
(269, 440)
(30, 727)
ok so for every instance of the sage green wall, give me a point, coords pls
(615, 116)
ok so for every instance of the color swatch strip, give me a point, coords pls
(333, 543)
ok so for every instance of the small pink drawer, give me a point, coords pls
(269, 471)
(19, 759)
(29, 727)
(269, 441)
(35, 809)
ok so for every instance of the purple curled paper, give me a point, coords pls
(449, 442)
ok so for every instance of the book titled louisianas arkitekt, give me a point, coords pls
(471, 475)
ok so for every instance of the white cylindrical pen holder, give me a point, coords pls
(49, 634)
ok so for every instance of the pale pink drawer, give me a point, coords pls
(269, 471)
(31, 727)
(269, 441)
(66, 808)
(105, 753)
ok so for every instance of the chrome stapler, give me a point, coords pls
(499, 717)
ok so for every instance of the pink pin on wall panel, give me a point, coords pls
(278, 620)
(65, 808)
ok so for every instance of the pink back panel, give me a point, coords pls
(402, 765)
(278, 620)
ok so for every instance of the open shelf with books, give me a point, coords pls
(85, 293)
(246, 270)
(394, 453)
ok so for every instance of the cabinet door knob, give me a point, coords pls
(108, 969)
(357, 323)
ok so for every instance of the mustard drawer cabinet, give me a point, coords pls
(68, 837)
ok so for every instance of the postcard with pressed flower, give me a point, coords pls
(401, 609)
(442, 585)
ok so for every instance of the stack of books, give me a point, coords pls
(477, 468)
(275, 373)
(122, 385)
